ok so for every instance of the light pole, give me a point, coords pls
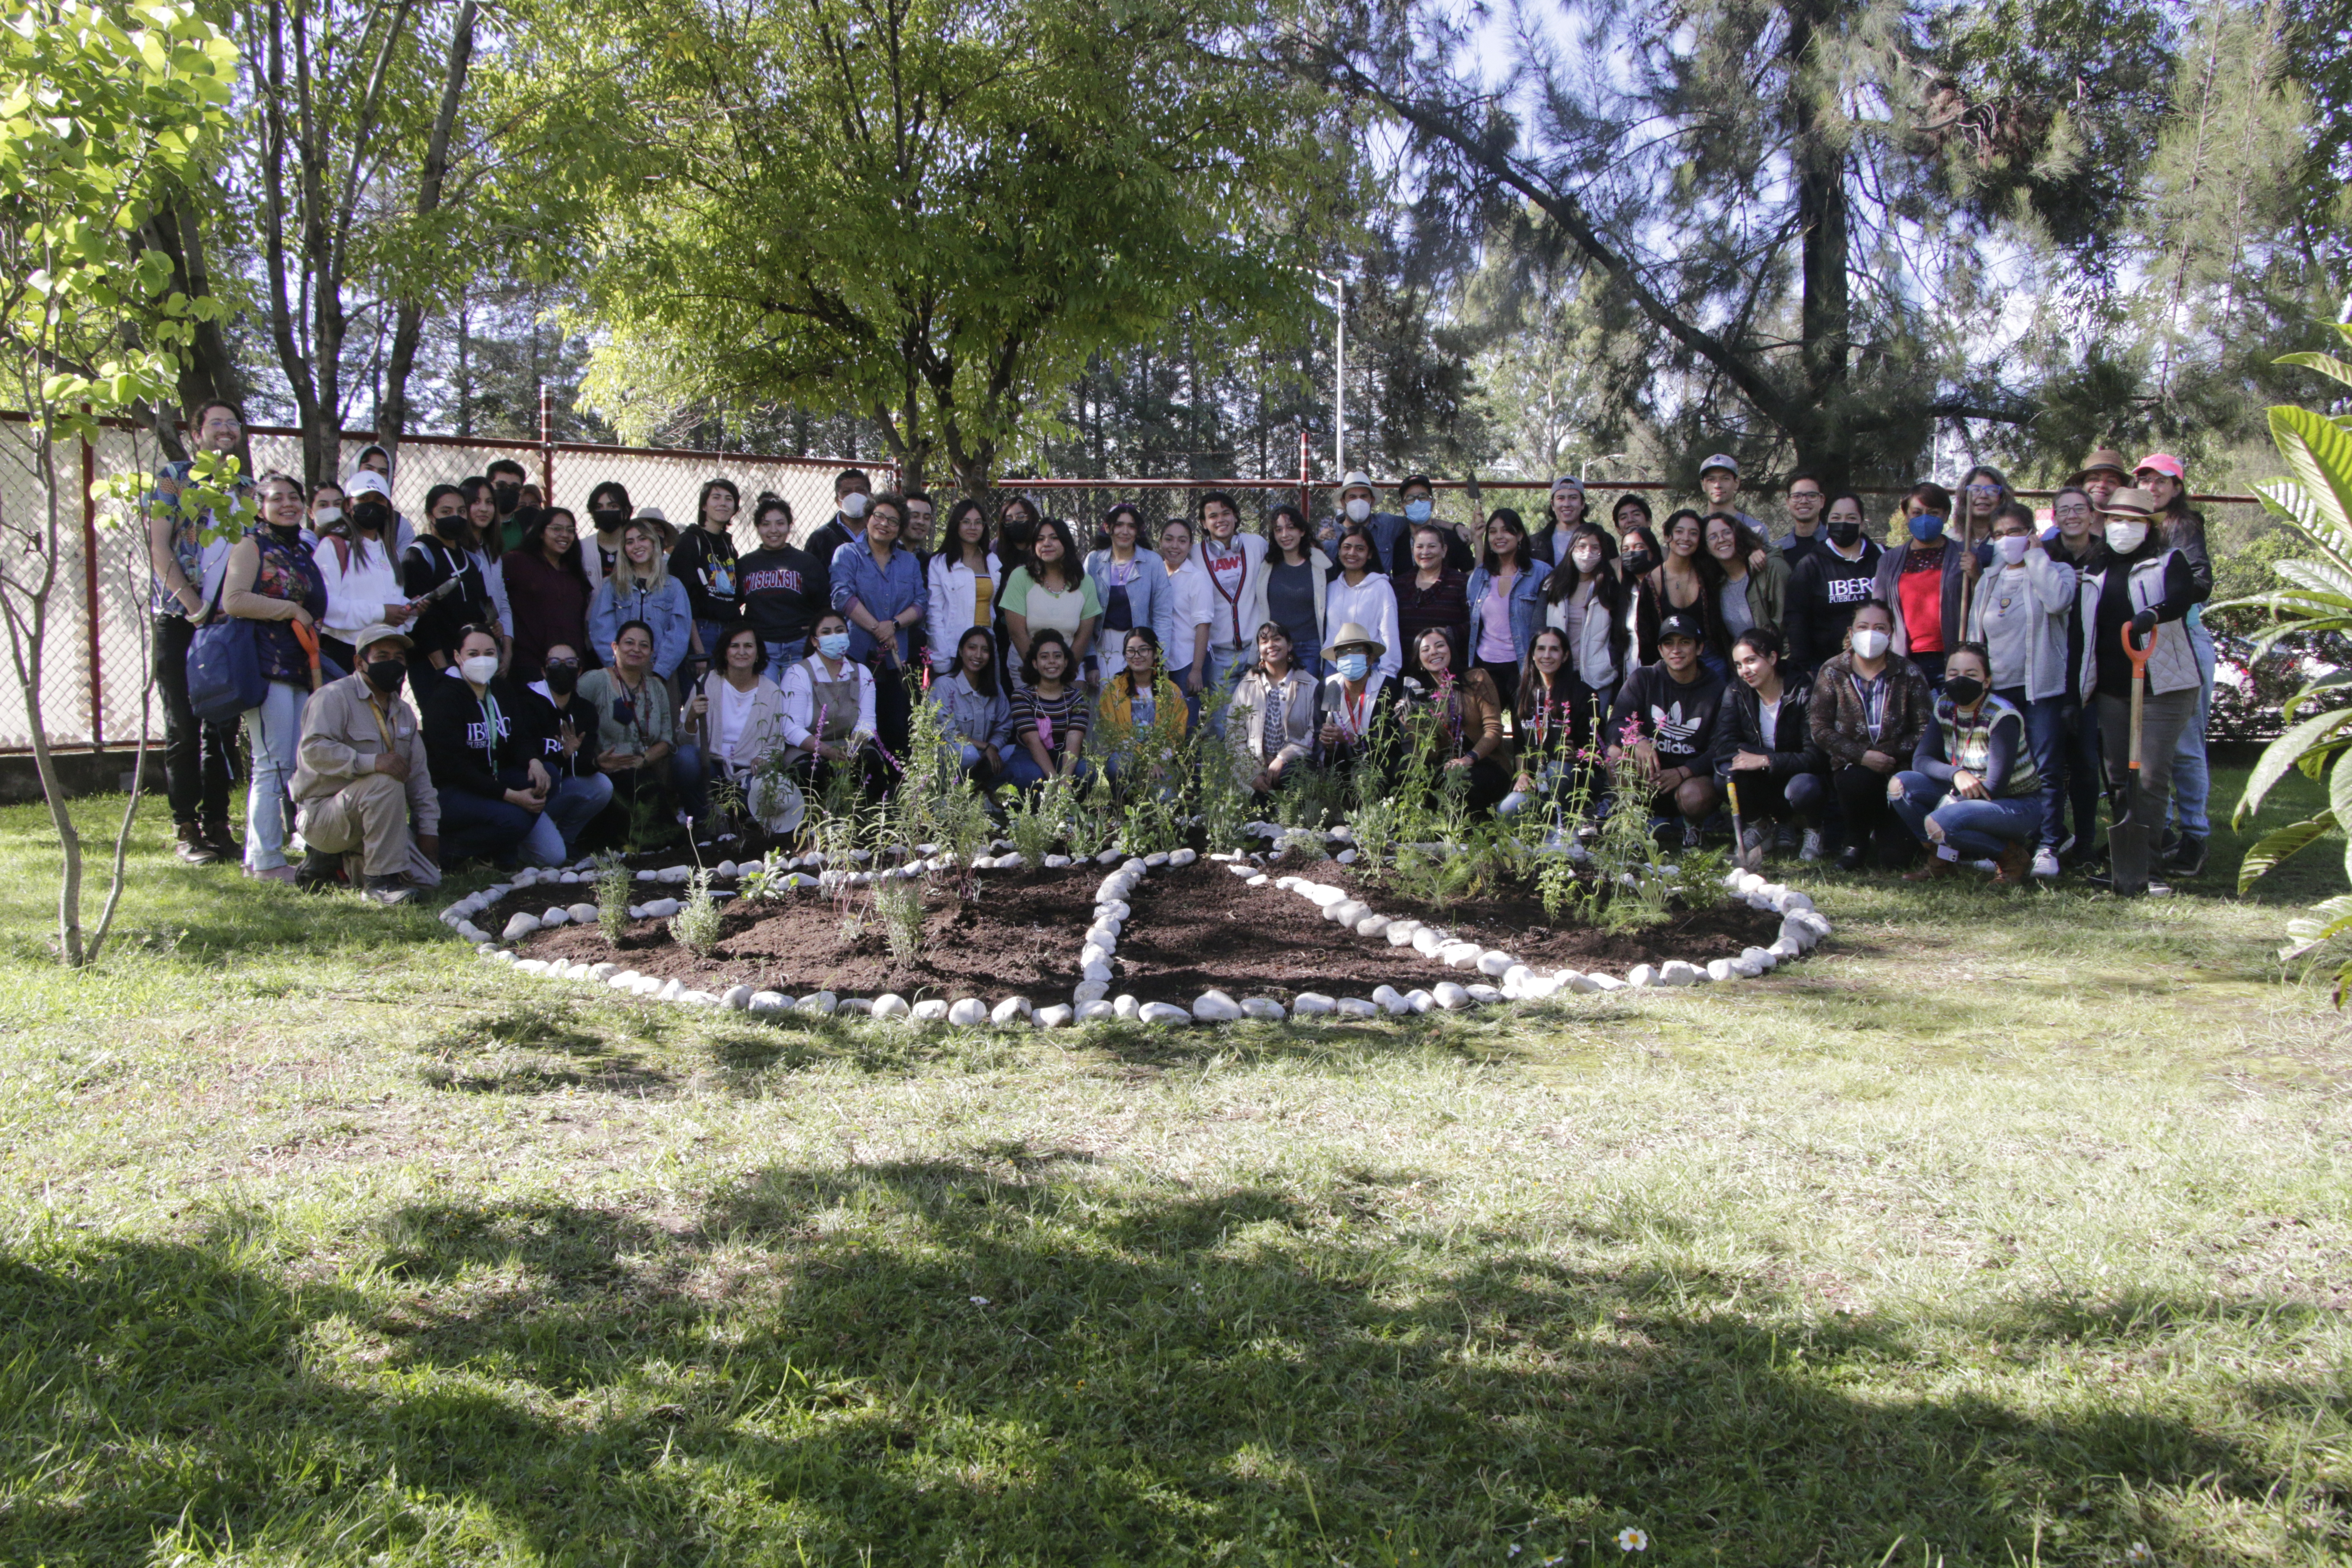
(1338, 369)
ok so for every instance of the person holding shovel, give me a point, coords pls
(272, 580)
(2143, 585)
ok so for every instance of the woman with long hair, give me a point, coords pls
(1050, 591)
(1465, 718)
(737, 714)
(1983, 493)
(1362, 594)
(2182, 526)
(973, 708)
(1545, 716)
(1430, 595)
(964, 582)
(1584, 601)
(1689, 584)
(1753, 589)
(1638, 608)
(609, 510)
(1292, 589)
(1275, 700)
(641, 589)
(1504, 600)
(1132, 585)
(548, 582)
(1049, 712)
(704, 563)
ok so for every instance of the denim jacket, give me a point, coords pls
(1527, 607)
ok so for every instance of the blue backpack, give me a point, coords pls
(225, 678)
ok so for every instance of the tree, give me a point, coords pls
(105, 109)
(931, 212)
(1786, 196)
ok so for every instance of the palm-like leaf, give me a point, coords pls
(2319, 454)
(2325, 365)
(2280, 844)
(2317, 689)
(2329, 918)
(2317, 733)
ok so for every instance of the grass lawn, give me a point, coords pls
(2009, 1229)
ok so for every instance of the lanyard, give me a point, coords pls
(490, 720)
(1233, 600)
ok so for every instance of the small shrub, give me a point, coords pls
(694, 927)
(614, 885)
(900, 902)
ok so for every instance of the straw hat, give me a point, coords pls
(1352, 634)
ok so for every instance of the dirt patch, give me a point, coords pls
(1201, 927)
(1018, 938)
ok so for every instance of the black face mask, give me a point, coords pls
(507, 497)
(562, 678)
(607, 518)
(1636, 562)
(385, 675)
(1964, 689)
(452, 528)
(370, 517)
(1843, 534)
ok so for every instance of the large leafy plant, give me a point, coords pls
(2315, 498)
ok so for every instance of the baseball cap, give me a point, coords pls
(1680, 625)
(371, 635)
(1568, 482)
(368, 482)
(1720, 460)
(2162, 463)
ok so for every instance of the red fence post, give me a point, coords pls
(90, 592)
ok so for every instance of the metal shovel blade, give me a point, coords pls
(2127, 849)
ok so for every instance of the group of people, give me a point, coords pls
(1958, 691)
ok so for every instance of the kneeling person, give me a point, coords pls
(1972, 790)
(362, 786)
(1672, 709)
(1765, 751)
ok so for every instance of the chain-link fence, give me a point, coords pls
(96, 651)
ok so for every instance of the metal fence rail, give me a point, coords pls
(96, 654)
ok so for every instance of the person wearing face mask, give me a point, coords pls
(853, 497)
(2181, 526)
(1355, 731)
(1584, 601)
(436, 558)
(1806, 500)
(2074, 773)
(829, 710)
(486, 760)
(1361, 592)
(566, 726)
(356, 564)
(1418, 498)
(609, 512)
(1971, 792)
(509, 483)
(2018, 615)
(1358, 505)
(363, 784)
(1830, 582)
(1764, 747)
(2144, 584)
(1869, 707)
(1925, 581)
(1642, 606)
(272, 581)
(1430, 595)
(704, 563)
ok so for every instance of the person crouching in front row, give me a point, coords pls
(1665, 720)
(362, 783)
(1277, 700)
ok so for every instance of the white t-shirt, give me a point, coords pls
(1770, 714)
(733, 711)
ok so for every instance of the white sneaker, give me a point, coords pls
(1812, 847)
(2045, 862)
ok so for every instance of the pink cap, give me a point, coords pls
(2163, 463)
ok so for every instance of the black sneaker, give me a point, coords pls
(2188, 857)
(1850, 858)
(319, 871)
(190, 846)
(391, 891)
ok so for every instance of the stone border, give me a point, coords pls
(1802, 927)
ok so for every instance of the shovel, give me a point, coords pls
(2127, 840)
(1746, 859)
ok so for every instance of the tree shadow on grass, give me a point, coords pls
(1003, 1356)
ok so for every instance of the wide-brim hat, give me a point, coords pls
(2105, 457)
(2130, 502)
(1357, 480)
(1352, 634)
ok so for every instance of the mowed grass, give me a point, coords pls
(2008, 1229)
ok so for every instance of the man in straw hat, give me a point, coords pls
(360, 784)
(1354, 705)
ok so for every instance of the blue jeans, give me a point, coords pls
(275, 729)
(708, 632)
(1931, 665)
(497, 830)
(1192, 699)
(1978, 828)
(570, 807)
(2192, 782)
(780, 655)
(1021, 769)
(2067, 754)
(1224, 674)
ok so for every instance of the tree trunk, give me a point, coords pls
(408, 324)
(208, 370)
(1826, 315)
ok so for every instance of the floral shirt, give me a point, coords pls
(198, 557)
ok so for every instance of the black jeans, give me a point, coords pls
(1862, 795)
(199, 760)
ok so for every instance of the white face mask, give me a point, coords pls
(327, 514)
(478, 669)
(1359, 509)
(1586, 559)
(853, 504)
(2124, 536)
(2012, 548)
(1870, 643)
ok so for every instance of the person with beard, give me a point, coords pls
(704, 561)
(355, 559)
(432, 562)
(567, 727)
(363, 784)
(1832, 582)
(609, 512)
(272, 581)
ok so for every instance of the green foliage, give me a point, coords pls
(696, 925)
(614, 885)
(978, 195)
(898, 900)
(1034, 818)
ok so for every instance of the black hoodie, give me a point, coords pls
(458, 746)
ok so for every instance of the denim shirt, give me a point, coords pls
(885, 592)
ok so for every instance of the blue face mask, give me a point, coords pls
(1926, 526)
(832, 644)
(1355, 666)
(1417, 510)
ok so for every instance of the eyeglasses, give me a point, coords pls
(562, 664)
(1984, 489)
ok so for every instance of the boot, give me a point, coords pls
(319, 871)
(189, 845)
(1935, 866)
(391, 891)
(217, 834)
(2013, 868)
